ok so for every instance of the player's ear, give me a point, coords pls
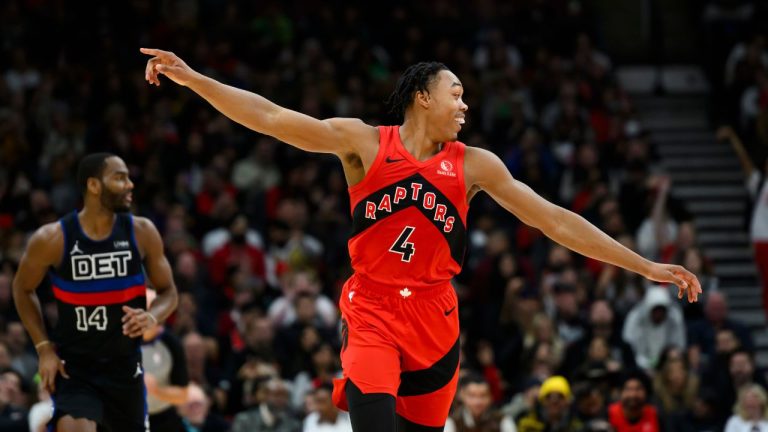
(94, 185)
(422, 99)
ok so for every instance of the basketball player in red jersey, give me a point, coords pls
(410, 186)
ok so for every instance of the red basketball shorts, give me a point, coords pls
(403, 342)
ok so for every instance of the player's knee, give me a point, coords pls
(71, 424)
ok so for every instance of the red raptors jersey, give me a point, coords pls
(409, 216)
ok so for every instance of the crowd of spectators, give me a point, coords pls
(256, 230)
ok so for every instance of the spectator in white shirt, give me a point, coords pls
(652, 325)
(750, 412)
(326, 417)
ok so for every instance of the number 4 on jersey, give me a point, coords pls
(402, 246)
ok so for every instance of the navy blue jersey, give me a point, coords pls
(91, 285)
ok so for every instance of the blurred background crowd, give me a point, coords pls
(256, 230)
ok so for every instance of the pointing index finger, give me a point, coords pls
(153, 51)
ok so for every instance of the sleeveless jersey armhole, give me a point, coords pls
(384, 139)
(460, 161)
(64, 246)
(132, 230)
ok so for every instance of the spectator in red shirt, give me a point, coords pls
(236, 256)
(633, 413)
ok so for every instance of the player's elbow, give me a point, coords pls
(552, 220)
(16, 292)
(17, 289)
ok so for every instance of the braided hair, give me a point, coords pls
(416, 78)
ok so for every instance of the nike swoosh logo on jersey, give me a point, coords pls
(389, 160)
(448, 312)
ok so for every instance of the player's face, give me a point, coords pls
(449, 108)
(116, 186)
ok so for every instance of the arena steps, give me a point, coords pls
(741, 269)
(724, 254)
(712, 239)
(710, 190)
(698, 162)
(706, 207)
(745, 303)
(719, 222)
(683, 150)
(706, 176)
(761, 340)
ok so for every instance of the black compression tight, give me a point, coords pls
(372, 412)
(375, 412)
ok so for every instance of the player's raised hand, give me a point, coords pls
(137, 321)
(168, 64)
(49, 365)
(685, 281)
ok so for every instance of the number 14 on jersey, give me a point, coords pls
(96, 319)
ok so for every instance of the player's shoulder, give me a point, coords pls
(141, 222)
(46, 243)
(144, 228)
(354, 129)
(482, 166)
(49, 233)
(477, 157)
(351, 124)
(147, 236)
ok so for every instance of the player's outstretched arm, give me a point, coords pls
(43, 250)
(486, 171)
(137, 321)
(339, 136)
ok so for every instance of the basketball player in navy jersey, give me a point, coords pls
(410, 188)
(96, 260)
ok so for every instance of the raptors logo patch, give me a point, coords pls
(446, 169)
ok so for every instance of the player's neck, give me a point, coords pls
(97, 223)
(417, 142)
